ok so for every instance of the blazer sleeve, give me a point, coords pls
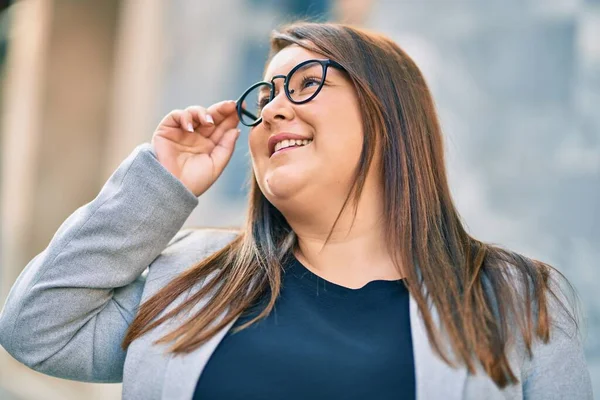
(558, 369)
(67, 313)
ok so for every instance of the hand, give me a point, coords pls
(196, 144)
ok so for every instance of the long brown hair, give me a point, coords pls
(481, 292)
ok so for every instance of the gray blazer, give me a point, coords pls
(67, 313)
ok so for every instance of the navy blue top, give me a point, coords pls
(321, 341)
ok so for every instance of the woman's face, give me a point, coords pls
(331, 121)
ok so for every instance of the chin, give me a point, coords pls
(279, 185)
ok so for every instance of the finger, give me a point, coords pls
(172, 119)
(222, 152)
(200, 116)
(186, 121)
(220, 111)
(228, 123)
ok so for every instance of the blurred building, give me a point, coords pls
(517, 86)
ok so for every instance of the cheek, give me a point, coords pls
(257, 143)
(256, 156)
(253, 139)
(340, 134)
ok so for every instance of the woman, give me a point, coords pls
(353, 277)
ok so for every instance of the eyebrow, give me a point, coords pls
(308, 66)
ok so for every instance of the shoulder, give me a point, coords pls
(186, 249)
(200, 240)
(530, 285)
(558, 363)
(191, 245)
(559, 358)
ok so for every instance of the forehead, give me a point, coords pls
(288, 58)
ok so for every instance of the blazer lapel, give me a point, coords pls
(434, 378)
(183, 371)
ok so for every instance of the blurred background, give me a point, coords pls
(516, 82)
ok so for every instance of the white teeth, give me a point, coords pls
(292, 142)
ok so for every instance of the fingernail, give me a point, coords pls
(209, 119)
(190, 127)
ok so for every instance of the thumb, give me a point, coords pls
(222, 152)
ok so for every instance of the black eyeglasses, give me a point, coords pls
(301, 85)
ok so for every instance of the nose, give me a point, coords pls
(280, 108)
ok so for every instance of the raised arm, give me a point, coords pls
(68, 311)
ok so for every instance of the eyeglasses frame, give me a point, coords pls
(326, 63)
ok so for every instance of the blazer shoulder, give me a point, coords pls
(186, 249)
(211, 238)
(200, 241)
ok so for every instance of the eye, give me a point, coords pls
(308, 80)
(262, 102)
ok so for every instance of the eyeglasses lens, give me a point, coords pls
(303, 85)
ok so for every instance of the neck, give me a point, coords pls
(355, 254)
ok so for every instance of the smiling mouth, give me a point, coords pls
(279, 149)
